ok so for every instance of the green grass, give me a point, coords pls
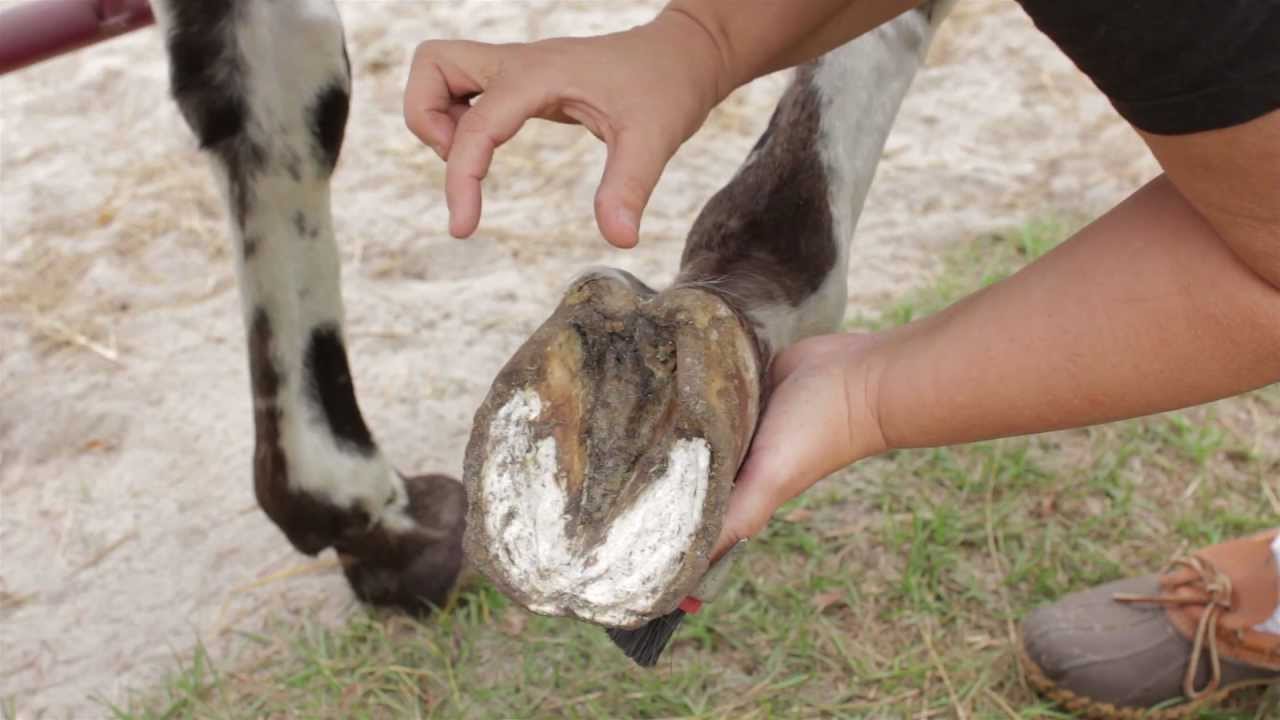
(984, 261)
(891, 590)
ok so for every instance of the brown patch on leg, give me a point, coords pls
(413, 570)
(310, 525)
(768, 236)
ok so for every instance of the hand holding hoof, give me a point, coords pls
(415, 568)
(600, 464)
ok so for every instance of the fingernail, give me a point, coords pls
(630, 229)
(629, 219)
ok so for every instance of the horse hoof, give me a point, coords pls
(412, 569)
(600, 464)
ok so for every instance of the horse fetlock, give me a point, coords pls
(399, 540)
(413, 569)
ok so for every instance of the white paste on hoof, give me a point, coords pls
(613, 583)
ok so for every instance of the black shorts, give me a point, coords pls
(1172, 66)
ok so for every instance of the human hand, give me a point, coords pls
(819, 418)
(643, 92)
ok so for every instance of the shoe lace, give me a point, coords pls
(1216, 599)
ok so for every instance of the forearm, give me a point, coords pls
(757, 37)
(1144, 311)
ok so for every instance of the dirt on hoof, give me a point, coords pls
(412, 570)
(600, 464)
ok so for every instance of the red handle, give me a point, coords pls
(39, 30)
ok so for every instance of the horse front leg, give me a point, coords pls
(600, 465)
(265, 86)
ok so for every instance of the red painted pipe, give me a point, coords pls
(39, 30)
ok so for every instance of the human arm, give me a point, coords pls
(756, 37)
(1150, 308)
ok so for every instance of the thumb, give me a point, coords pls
(636, 161)
(803, 437)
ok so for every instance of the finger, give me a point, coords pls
(441, 75)
(457, 110)
(436, 131)
(787, 456)
(748, 515)
(493, 119)
(635, 163)
(730, 534)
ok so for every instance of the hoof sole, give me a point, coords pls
(600, 464)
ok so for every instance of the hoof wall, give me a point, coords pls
(600, 464)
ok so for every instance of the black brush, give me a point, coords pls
(645, 644)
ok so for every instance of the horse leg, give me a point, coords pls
(265, 86)
(600, 464)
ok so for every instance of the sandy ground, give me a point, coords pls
(128, 530)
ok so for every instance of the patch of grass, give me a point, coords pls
(892, 590)
(973, 266)
(187, 691)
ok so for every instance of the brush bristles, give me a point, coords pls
(646, 643)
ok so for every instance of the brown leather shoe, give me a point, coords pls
(1161, 646)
